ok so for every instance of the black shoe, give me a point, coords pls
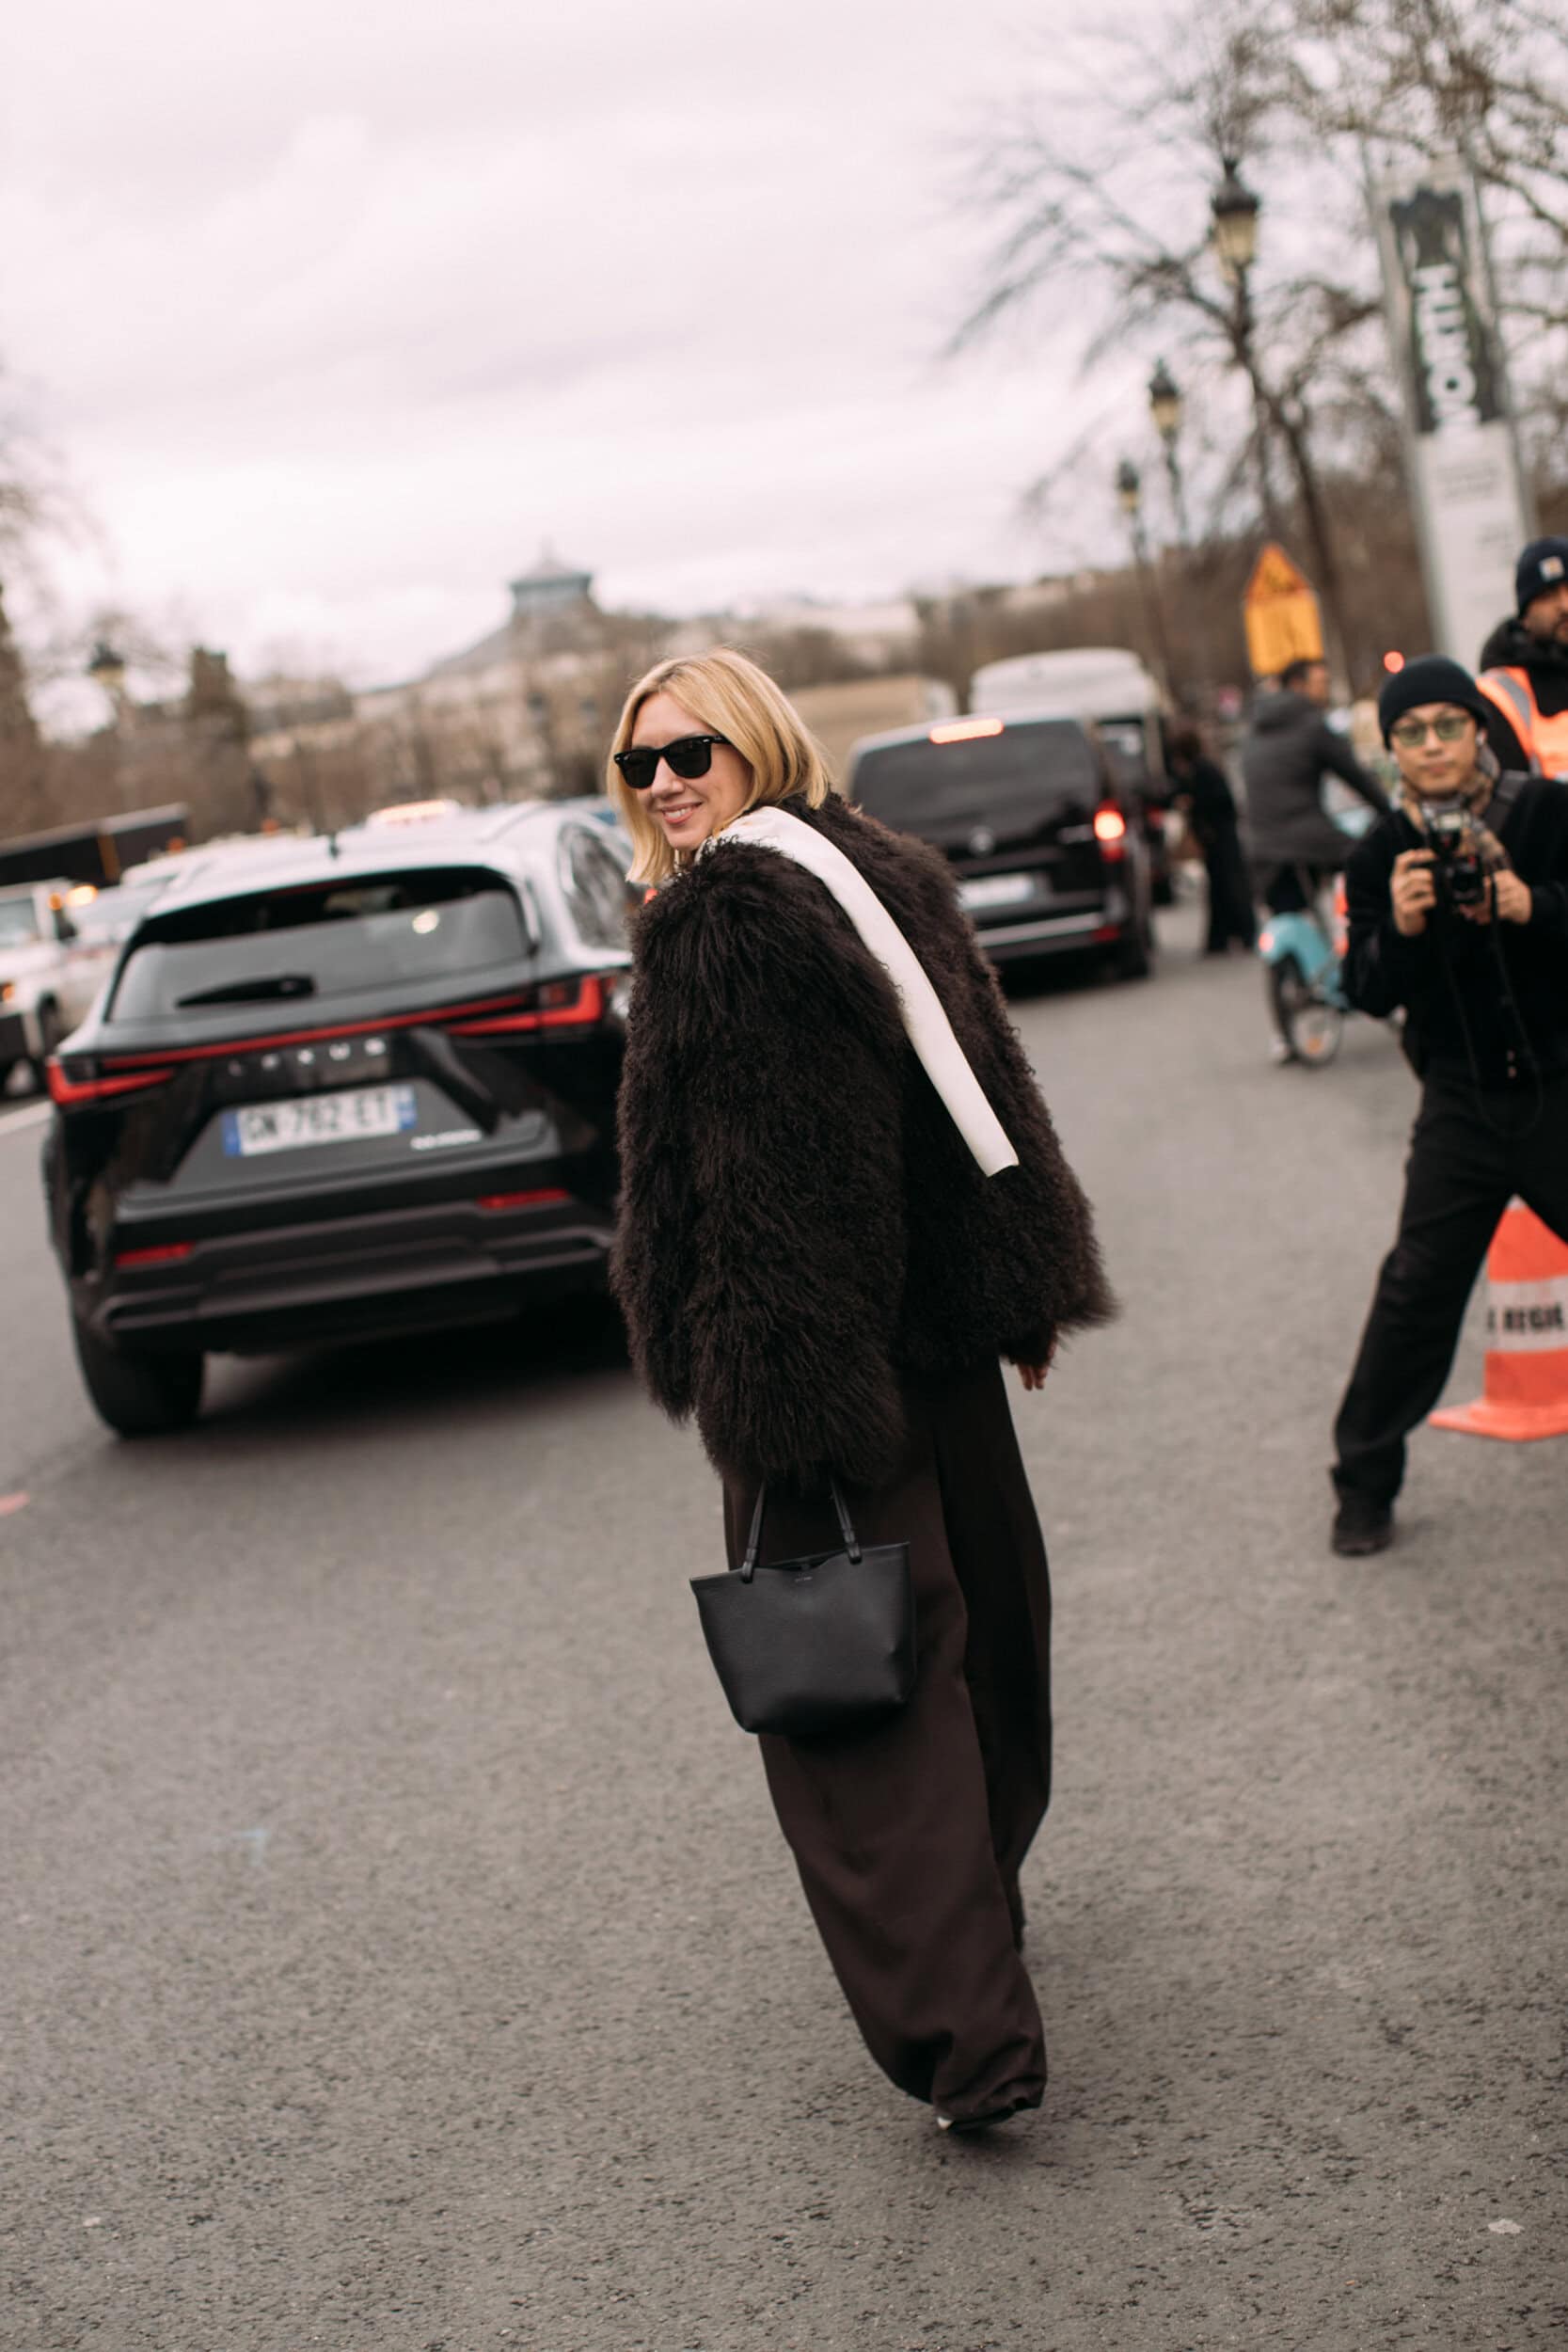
(1362, 1526)
(1010, 2104)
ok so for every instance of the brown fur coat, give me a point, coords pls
(801, 1221)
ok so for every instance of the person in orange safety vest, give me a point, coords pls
(1523, 667)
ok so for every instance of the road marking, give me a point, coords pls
(31, 1115)
(12, 1502)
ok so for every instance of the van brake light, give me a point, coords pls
(965, 730)
(1110, 831)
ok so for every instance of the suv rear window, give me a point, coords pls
(335, 938)
(1011, 781)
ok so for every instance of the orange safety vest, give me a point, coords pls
(1545, 741)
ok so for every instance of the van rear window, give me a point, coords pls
(351, 937)
(1011, 783)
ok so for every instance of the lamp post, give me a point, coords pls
(1233, 210)
(1129, 498)
(1165, 407)
(107, 669)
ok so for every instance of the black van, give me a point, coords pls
(1047, 845)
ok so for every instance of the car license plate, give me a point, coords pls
(319, 1119)
(996, 890)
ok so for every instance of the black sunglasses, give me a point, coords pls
(689, 757)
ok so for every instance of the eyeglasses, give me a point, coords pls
(689, 757)
(1410, 734)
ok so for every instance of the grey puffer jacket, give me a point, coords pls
(1283, 761)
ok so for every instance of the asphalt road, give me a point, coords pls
(399, 1954)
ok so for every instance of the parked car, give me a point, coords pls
(1109, 687)
(364, 1084)
(1044, 838)
(48, 974)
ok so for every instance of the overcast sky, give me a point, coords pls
(337, 311)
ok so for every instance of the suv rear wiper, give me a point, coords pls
(251, 992)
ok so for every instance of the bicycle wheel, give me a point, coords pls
(1310, 1026)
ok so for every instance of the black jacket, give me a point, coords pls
(1511, 647)
(1447, 978)
(1204, 788)
(801, 1221)
(1283, 759)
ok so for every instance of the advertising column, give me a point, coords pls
(1465, 479)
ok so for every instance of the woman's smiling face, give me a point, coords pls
(689, 813)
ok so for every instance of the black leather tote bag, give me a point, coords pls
(812, 1647)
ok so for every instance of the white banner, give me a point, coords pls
(1523, 1318)
(1464, 470)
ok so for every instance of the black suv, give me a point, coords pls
(346, 1086)
(1048, 846)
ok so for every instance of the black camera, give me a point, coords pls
(1457, 872)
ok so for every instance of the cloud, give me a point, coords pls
(342, 314)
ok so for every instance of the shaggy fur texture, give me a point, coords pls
(801, 1220)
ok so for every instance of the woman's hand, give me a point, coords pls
(1033, 1375)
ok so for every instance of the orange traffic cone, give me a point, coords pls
(1527, 1336)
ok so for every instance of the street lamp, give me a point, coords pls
(1130, 492)
(1130, 496)
(1235, 211)
(107, 669)
(1165, 407)
(1164, 402)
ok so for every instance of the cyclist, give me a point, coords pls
(1295, 844)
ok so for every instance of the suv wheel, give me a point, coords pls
(1134, 953)
(140, 1396)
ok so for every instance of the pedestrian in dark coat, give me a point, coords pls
(1204, 796)
(814, 1266)
(1296, 843)
(1484, 984)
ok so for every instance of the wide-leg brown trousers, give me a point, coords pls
(909, 1837)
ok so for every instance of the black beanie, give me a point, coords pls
(1543, 564)
(1432, 678)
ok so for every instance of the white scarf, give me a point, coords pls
(929, 1030)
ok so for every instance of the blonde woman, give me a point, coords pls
(843, 1202)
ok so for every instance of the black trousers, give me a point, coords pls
(1230, 914)
(908, 1838)
(1291, 889)
(1460, 1176)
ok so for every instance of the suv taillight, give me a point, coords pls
(81, 1085)
(555, 1004)
(1110, 831)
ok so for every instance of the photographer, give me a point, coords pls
(1458, 912)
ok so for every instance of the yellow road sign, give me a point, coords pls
(1283, 623)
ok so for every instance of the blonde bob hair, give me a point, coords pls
(727, 695)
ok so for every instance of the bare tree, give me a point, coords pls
(1101, 186)
(24, 766)
(1489, 83)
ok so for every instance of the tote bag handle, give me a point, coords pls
(753, 1541)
